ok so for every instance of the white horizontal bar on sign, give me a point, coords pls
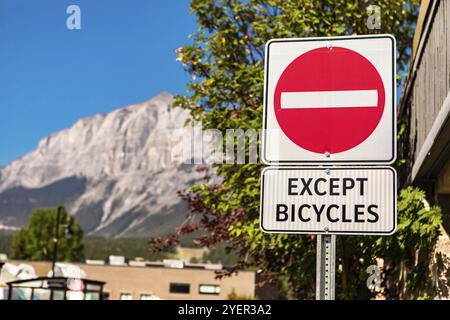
(329, 99)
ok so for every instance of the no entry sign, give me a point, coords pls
(330, 100)
(359, 201)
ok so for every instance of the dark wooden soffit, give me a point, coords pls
(427, 169)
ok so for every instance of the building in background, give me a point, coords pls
(170, 279)
(425, 102)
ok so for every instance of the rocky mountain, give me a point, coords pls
(114, 171)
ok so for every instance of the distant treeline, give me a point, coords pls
(98, 248)
(101, 248)
(5, 244)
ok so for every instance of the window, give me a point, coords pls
(209, 289)
(179, 288)
(106, 295)
(92, 296)
(126, 296)
(58, 294)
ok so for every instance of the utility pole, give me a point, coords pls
(56, 239)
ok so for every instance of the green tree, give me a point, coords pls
(225, 61)
(36, 241)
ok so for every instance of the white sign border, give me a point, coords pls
(324, 161)
(366, 233)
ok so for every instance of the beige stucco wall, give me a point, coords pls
(443, 180)
(440, 266)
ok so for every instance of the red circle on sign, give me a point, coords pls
(329, 128)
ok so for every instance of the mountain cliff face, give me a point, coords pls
(113, 171)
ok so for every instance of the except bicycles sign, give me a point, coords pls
(340, 200)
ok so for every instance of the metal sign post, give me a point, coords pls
(325, 269)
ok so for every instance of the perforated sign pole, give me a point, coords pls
(325, 267)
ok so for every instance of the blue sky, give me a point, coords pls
(51, 76)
